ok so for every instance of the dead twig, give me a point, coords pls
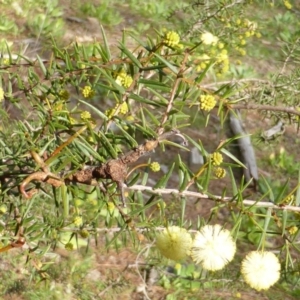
(114, 169)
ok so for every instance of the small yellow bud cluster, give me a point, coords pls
(216, 158)
(5, 61)
(85, 115)
(124, 80)
(245, 29)
(287, 4)
(178, 268)
(123, 109)
(207, 102)
(110, 207)
(222, 65)
(171, 38)
(59, 106)
(202, 62)
(72, 121)
(1, 94)
(214, 51)
(92, 202)
(290, 200)
(64, 95)
(3, 209)
(220, 172)
(221, 45)
(77, 221)
(155, 166)
(110, 112)
(84, 233)
(293, 230)
(241, 51)
(69, 246)
(87, 92)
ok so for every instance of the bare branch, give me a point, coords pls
(287, 110)
(245, 202)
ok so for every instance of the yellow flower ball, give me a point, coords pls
(220, 172)
(174, 243)
(85, 115)
(124, 80)
(64, 94)
(243, 42)
(124, 108)
(242, 52)
(155, 166)
(293, 230)
(77, 221)
(221, 45)
(84, 233)
(3, 209)
(87, 92)
(110, 113)
(207, 102)
(287, 4)
(208, 38)
(171, 38)
(213, 247)
(216, 158)
(110, 207)
(260, 269)
(69, 246)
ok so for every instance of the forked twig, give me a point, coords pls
(114, 169)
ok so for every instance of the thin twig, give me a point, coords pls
(245, 202)
(173, 93)
(235, 81)
(288, 110)
(295, 44)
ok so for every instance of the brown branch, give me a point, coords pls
(114, 169)
(173, 93)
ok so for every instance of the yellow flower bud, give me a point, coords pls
(64, 94)
(220, 172)
(207, 102)
(85, 115)
(124, 108)
(216, 158)
(84, 233)
(87, 92)
(293, 230)
(3, 209)
(69, 246)
(77, 221)
(124, 80)
(110, 207)
(155, 166)
(171, 38)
